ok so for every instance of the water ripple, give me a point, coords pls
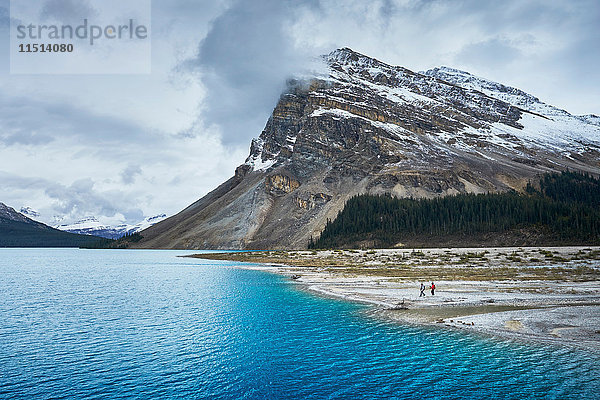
(145, 324)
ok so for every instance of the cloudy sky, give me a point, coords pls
(121, 147)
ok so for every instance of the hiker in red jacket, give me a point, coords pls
(432, 288)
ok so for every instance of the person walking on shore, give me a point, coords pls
(432, 288)
(422, 290)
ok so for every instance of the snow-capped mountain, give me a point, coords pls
(91, 226)
(369, 127)
(146, 223)
(18, 230)
(30, 212)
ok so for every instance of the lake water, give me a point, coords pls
(120, 324)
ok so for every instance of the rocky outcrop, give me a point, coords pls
(280, 185)
(308, 201)
(368, 127)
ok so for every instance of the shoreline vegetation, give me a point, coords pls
(539, 293)
(557, 210)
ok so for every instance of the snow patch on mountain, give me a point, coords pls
(30, 212)
(258, 160)
(590, 119)
(544, 125)
(146, 223)
(337, 114)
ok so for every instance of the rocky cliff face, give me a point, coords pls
(368, 127)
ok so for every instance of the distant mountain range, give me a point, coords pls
(17, 230)
(91, 226)
(366, 127)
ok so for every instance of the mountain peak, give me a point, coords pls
(446, 70)
(479, 104)
(343, 53)
(347, 56)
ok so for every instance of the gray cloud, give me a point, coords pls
(80, 196)
(25, 138)
(244, 62)
(129, 174)
(67, 10)
(39, 121)
(77, 199)
(4, 17)
(495, 52)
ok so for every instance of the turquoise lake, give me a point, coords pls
(121, 324)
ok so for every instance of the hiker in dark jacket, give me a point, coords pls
(422, 290)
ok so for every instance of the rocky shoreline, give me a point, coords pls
(549, 294)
